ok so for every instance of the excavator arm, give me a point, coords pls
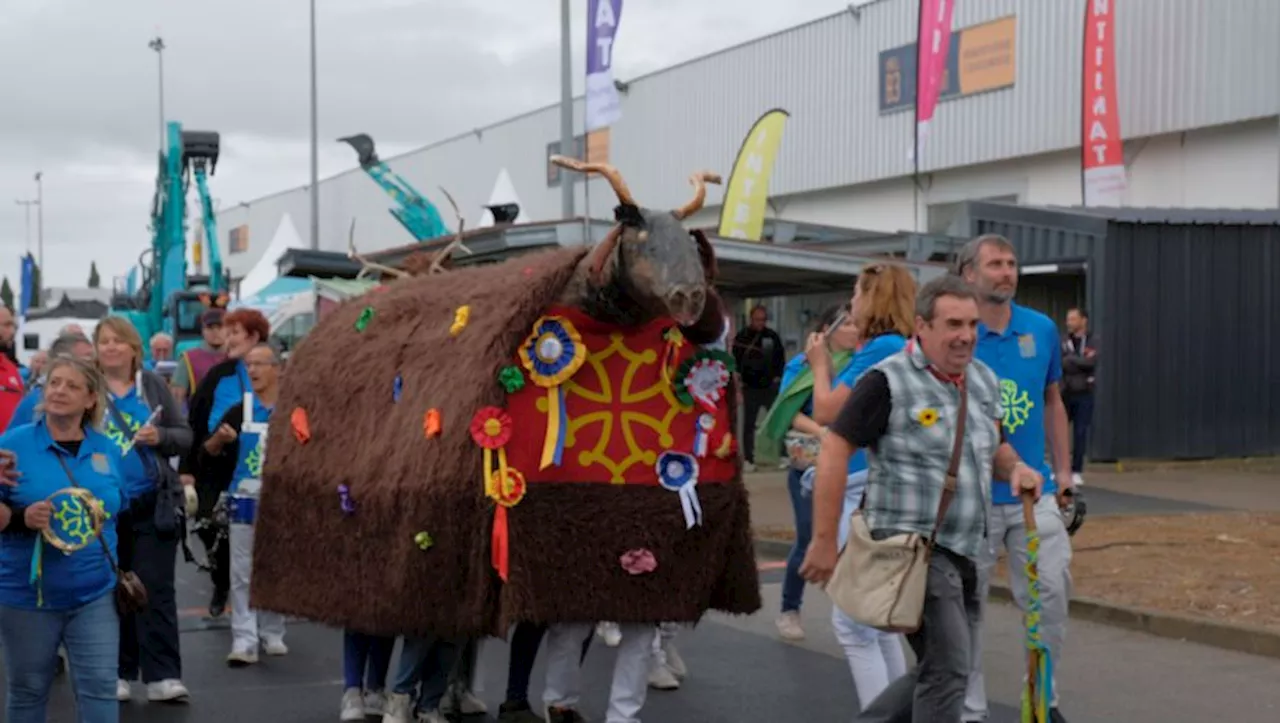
(419, 217)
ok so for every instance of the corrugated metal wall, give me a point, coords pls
(1190, 350)
(1182, 64)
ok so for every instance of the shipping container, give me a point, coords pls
(1183, 306)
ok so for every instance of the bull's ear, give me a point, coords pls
(707, 254)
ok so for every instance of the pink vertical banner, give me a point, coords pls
(933, 41)
(1102, 170)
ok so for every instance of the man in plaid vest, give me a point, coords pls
(904, 412)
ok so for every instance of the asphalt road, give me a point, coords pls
(739, 672)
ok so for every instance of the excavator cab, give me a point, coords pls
(200, 148)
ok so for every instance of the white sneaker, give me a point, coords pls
(468, 703)
(661, 677)
(789, 626)
(610, 633)
(352, 705)
(1077, 480)
(675, 663)
(275, 648)
(748, 466)
(241, 658)
(432, 716)
(375, 702)
(123, 692)
(167, 691)
(399, 708)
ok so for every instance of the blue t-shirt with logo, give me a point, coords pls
(1027, 359)
(67, 581)
(137, 465)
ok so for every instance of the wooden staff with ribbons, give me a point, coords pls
(1038, 692)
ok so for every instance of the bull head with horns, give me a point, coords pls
(648, 266)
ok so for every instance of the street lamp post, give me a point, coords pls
(566, 108)
(157, 44)
(315, 143)
(40, 220)
(28, 205)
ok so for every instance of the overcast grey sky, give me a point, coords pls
(78, 93)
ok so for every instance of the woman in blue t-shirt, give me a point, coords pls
(48, 598)
(884, 312)
(150, 432)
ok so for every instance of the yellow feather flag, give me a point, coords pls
(742, 216)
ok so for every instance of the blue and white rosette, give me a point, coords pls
(678, 472)
(704, 425)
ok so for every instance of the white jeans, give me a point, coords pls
(247, 624)
(563, 688)
(1007, 530)
(875, 657)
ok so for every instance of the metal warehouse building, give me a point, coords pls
(1199, 104)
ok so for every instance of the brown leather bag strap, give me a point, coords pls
(953, 468)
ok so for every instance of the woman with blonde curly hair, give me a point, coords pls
(883, 309)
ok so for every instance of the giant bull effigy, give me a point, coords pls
(539, 440)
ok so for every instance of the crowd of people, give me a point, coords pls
(165, 447)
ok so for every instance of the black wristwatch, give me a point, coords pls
(17, 522)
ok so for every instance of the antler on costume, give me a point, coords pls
(604, 169)
(437, 264)
(699, 182)
(365, 263)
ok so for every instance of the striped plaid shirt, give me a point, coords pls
(908, 465)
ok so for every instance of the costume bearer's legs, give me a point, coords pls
(244, 623)
(563, 688)
(250, 628)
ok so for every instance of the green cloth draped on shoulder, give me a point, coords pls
(789, 403)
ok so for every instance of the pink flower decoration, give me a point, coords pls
(638, 562)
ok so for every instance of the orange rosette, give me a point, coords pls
(491, 428)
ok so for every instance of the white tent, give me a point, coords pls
(265, 271)
(504, 191)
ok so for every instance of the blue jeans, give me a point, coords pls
(424, 666)
(30, 638)
(802, 508)
(366, 660)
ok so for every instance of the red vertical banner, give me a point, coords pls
(1103, 177)
(933, 42)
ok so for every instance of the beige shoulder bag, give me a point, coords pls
(881, 583)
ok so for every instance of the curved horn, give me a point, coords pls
(699, 182)
(437, 264)
(365, 263)
(604, 169)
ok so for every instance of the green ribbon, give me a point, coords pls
(511, 379)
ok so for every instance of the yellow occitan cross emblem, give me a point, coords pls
(625, 420)
(1017, 405)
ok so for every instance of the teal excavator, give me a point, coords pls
(418, 216)
(167, 298)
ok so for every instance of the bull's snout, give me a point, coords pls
(686, 303)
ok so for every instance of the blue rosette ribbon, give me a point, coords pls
(678, 472)
(551, 355)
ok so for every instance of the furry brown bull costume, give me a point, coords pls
(542, 440)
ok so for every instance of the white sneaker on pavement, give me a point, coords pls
(399, 708)
(789, 626)
(241, 658)
(275, 648)
(375, 702)
(352, 705)
(432, 716)
(1077, 479)
(167, 691)
(123, 692)
(468, 703)
(661, 677)
(674, 662)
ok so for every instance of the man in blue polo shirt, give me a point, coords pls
(1022, 347)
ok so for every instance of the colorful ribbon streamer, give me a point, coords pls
(1038, 693)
